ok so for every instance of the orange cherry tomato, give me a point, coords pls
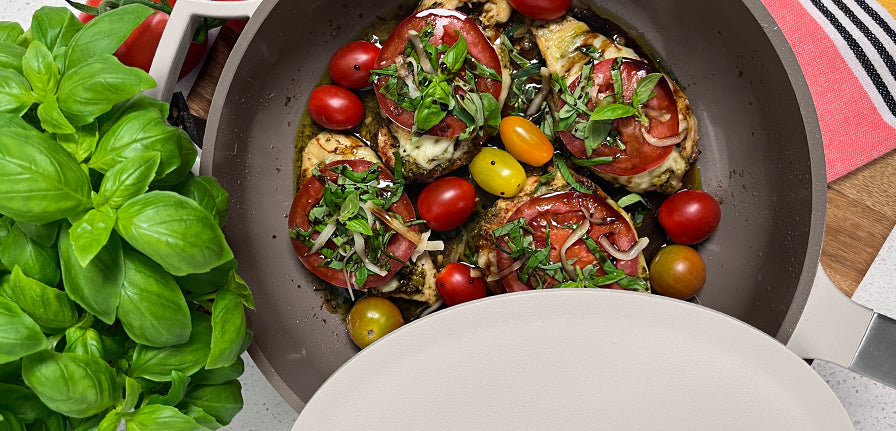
(677, 271)
(525, 141)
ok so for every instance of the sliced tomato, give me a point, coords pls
(559, 211)
(446, 22)
(639, 155)
(311, 192)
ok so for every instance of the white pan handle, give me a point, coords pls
(836, 329)
(178, 34)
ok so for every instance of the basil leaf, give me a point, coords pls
(491, 110)
(222, 401)
(196, 285)
(84, 341)
(90, 233)
(93, 87)
(174, 231)
(208, 193)
(39, 182)
(151, 308)
(593, 162)
(644, 88)
(156, 363)
(350, 207)
(15, 92)
(127, 180)
(11, 56)
(158, 417)
(454, 57)
(40, 70)
(52, 119)
(22, 401)
(132, 390)
(104, 34)
(179, 383)
(49, 307)
(482, 70)
(82, 142)
(35, 260)
(137, 103)
(218, 375)
(567, 175)
(631, 198)
(51, 422)
(430, 112)
(238, 285)
(112, 420)
(596, 132)
(10, 31)
(616, 74)
(12, 121)
(202, 418)
(612, 111)
(228, 329)
(74, 385)
(19, 336)
(359, 226)
(9, 422)
(43, 234)
(54, 26)
(97, 285)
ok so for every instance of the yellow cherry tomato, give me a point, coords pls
(525, 141)
(497, 172)
(371, 318)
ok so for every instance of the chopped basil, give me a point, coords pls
(593, 162)
(567, 175)
(454, 57)
(482, 70)
(617, 80)
(630, 199)
(435, 103)
(612, 111)
(596, 133)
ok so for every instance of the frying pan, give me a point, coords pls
(762, 158)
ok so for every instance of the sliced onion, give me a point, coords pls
(629, 254)
(426, 245)
(475, 273)
(659, 114)
(414, 37)
(542, 93)
(421, 241)
(370, 218)
(603, 221)
(580, 230)
(407, 76)
(663, 142)
(361, 249)
(507, 271)
(348, 278)
(431, 308)
(322, 238)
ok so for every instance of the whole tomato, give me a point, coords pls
(140, 47)
(446, 203)
(371, 318)
(350, 65)
(335, 107)
(456, 284)
(689, 216)
(541, 9)
(677, 271)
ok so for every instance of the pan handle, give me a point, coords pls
(836, 329)
(178, 33)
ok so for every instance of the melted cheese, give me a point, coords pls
(666, 176)
(426, 151)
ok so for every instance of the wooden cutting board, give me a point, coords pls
(861, 211)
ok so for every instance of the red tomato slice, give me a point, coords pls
(445, 22)
(311, 193)
(562, 209)
(639, 155)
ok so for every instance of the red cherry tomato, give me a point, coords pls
(456, 285)
(677, 271)
(689, 216)
(350, 65)
(140, 47)
(542, 9)
(446, 203)
(335, 107)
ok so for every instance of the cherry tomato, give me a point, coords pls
(350, 65)
(525, 141)
(689, 216)
(542, 9)
(456, 285)
(335, 107)
(677, 271)
(497, 172)
(371, 318)
(140, 47)
(446, 203)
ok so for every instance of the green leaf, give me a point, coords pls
(11, 56)
(132, 390)
(238, 285)
(49, 307)
(93, 87)
(174, 231)
(21, 401)
(359, 226)
(35, 260)
(612, 111)
(156, 363)
(90, 233)
(10, 31)
(52, 119)
(644, 88)
(128, 179)
(228, 329)
(43, 234)
(51, 422)
(158, 417)
(82, 142)
(9, 422)
(482, 70)
(84, 341)
(74, 385)
(208, 193)
(40, 70)
(202, 418)
(567, 175)
(219, 375)
(593, 162)
(222, 401)
(430, 113)
(179, 383)
(96, 286)
(454, 57)
(136, 103)
(104, 34)
(15, 92)
(152, 308)
(54, 27)
(12, 121)
(40, 182)
(630, 199)
(596, 132)
(112, 420)
(196, 285)
(19, 336)
(491, 109)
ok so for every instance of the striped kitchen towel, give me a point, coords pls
(847, 50)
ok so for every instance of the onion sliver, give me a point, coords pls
(426, 245)
(323, 238)
(535, 105)
(629, 254)
(361, 249)
(421, 241)
(506, 271)
(414, 37)
(663, 142)
(580, 230)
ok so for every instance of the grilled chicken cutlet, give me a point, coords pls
(552, 235)
(325, 224)
(442, 79)
(616, 112)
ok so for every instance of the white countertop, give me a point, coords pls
(871, 406)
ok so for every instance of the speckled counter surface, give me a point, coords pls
(871, 406)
